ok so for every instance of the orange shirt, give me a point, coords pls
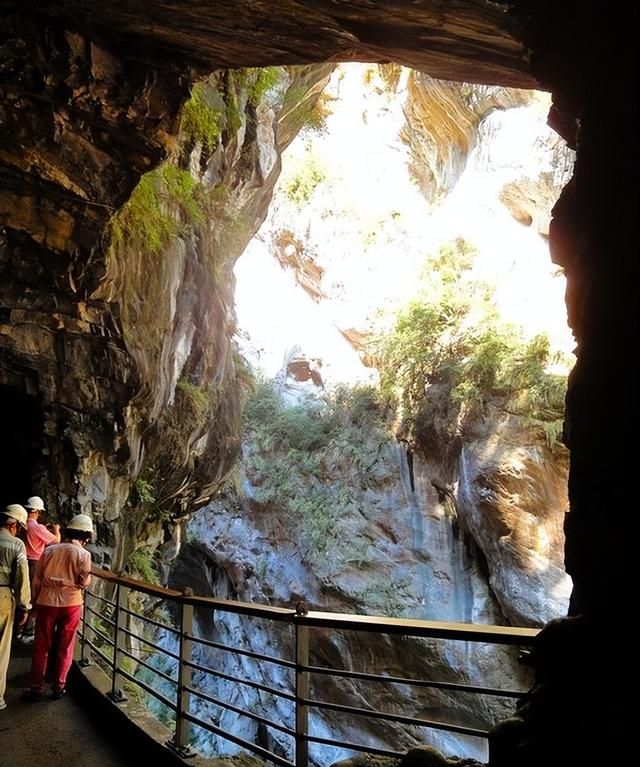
(37, 538)
(63, 572)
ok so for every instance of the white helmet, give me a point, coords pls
(35, 503)
(81, 522)
(17, 512)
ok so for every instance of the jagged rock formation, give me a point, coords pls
(89, 105)
(476, 42)
(358, 250)
(511, 498)
(143, 391)
(442, 124)
(530, 201)
(292, 254)
(467, 531)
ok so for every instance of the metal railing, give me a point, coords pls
(162, 658)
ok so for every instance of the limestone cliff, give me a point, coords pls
(442, 125)
(461, 520)
(131, 359)
(473, 535)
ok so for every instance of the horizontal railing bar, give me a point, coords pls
(100, 598)
(100, 615)
(148, 689)
(238, 651)
(107, 639)
(148, 666)
(475, 632)
(355, 747)
(146, 619)
(259, 750)
(151, 644)
(372, 714)
(469, 632)
(242, 712)
(415, 682)
(98, 652)
(244, 608)
(226, 605)
(229, 678)
(147, 588)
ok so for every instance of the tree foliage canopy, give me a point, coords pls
(450, 333)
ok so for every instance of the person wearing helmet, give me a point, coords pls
(62, 574)
(37, 537)
(15, 593)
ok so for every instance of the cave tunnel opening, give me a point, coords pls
(511, 250)
(21, 444)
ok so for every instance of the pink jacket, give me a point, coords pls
(62, 574)
(37, 538)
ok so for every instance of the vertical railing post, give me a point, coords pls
(183, 698)
(119, 643)
(302, 689)
(86, 635)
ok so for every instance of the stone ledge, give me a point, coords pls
(135, 729)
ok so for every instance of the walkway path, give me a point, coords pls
(52, 733)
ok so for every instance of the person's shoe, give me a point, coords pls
(2, 704)
(58, 692)
(31, 696)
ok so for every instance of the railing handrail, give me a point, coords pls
(153, 589)
(303, 698)
(474, 632)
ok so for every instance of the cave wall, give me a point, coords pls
(124, 352)
(589, 62)
(78, 126)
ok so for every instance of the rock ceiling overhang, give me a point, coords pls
(467, 40)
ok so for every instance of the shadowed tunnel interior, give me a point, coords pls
(20, 446)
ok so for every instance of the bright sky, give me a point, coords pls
(370, 229)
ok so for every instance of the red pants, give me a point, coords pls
(56, 629)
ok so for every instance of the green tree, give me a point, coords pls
(450, 334)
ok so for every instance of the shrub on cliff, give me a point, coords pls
(451, 335)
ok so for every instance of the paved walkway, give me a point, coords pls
(53, 733)
(84, 729)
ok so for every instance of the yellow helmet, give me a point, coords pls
(35, 503)
(81, 522)
(17, 512)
